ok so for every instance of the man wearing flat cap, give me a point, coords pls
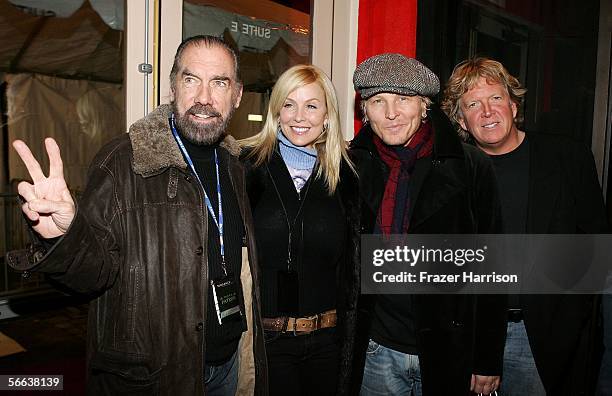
(417, 177)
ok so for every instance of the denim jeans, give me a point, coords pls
(604, 387)
(520, 375)
(389, 372)
(222, 380)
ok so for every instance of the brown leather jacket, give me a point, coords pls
(138, 245)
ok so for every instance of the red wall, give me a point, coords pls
(385, 26)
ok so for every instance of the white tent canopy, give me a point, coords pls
(80, 46)
(62, 66)
(111, 11)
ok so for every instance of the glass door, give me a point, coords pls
(269, 36)
(61, 76)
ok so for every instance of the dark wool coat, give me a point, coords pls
(564, 198)
(347, 282)
(138, 244)
(453, 191)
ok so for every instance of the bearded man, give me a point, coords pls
(162, 239)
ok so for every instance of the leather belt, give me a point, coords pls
(515, 315)
(301, 325)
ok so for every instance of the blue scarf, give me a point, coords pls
(300, 161)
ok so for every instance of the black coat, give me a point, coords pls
(564, 198)
(347, 280)
(453, 192)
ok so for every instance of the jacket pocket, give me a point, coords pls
(127, 324)
(117, 373)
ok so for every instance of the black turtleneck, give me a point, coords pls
(221, 340)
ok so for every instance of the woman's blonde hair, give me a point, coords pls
(330, 145)
(466, 75)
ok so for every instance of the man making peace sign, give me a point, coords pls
(161, 240)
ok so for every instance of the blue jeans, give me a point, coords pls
(604, 387)
(389, 372)
(222, 380)
(520, 375)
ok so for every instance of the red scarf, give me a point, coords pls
(394, 218)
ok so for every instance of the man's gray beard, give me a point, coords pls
(204, 135)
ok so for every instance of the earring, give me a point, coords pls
(325, 125)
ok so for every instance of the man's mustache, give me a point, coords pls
(203, 109)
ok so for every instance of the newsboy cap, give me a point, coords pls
(394, 73)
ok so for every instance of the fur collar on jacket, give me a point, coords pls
(154, 147)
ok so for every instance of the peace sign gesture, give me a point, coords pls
(48, 201)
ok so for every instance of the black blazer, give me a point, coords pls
(453, 191)
(564, 198)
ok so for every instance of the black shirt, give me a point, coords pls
(512, 174)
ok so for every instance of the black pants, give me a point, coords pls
(303, 365)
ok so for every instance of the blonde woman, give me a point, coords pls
(302, 190)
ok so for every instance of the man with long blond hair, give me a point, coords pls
(547, 185)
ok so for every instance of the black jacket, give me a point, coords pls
(138, 244)
(347, 277)
(564, 198)
(453, 192)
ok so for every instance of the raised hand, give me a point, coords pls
(48, 201)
